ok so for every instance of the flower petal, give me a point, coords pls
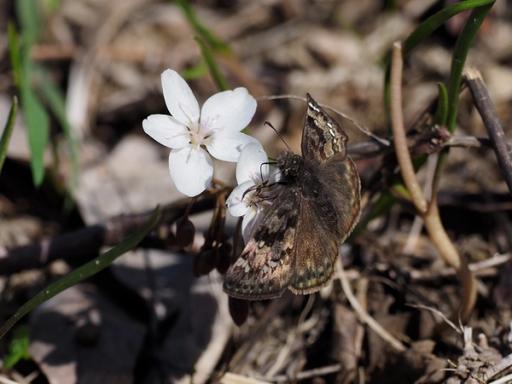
(249, 166)
(237, 200)
(191, 170)
(227, 146)
(179, 98)
(228, 111)
(249, 223)
(166, 130)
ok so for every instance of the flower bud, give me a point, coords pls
(224, 258)
(204, 262)
(185, 231)
(239, 310)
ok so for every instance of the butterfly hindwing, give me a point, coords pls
(264, 268)
(316, 246)
(322, 136)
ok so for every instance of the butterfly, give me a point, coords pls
(314, 208)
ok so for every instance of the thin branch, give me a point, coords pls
(312, 373)
(503, 380)
(365, 316)
(487, 111)
(438, 313)
(478, 268)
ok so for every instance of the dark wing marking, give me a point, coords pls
(264, 268)
(322, 136)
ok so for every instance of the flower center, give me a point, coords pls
(198, 135)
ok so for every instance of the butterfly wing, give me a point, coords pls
(342, 186)
(264, 268)
(330, 205)
(316, 247)
(322, 136)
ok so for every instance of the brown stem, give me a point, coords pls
(428, 211)
(399, 137)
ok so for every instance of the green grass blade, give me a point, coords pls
(442, 105)
(460, 52)
(7, 132)
(383, 204)
(195, 72)
(85, 271)
(14, 53)
(36, 118)
(56, 103)
(427, 27)
(18, 347)
(213, 41)
(28, 15)
(38, 125)
(51, 5)
(215, 71)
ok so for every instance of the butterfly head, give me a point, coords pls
(290, 165)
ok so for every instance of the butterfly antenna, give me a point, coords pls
(267, 123)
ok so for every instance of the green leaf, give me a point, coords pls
(18, 347)
(213, 41)
(51, 5)
(426, 28)
(7, 132)
(14, 53)
(195, 72)
(383, 204)
(442, 105)
(36, 118)
(215, 71)
(38, 125)
(28, 15)
(81, 273)
(460, 52)
(55, 101)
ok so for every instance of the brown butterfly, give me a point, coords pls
(316, 205)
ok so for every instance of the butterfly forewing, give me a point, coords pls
(342, 187)
(264, 268)
(322, 136)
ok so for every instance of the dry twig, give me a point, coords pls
(487, 111)
(504, 364)
(365, 316)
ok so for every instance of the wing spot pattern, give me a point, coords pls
(313, 107)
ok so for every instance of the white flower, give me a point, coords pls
(251, 172)
(193, 135)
